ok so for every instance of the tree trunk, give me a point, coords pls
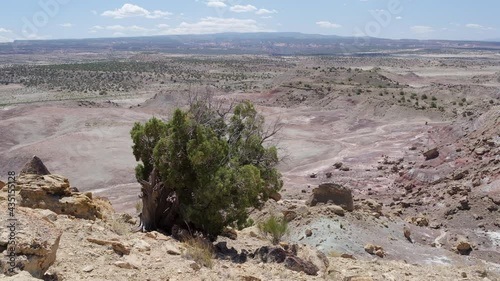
(159, 205)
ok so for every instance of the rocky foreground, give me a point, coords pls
(62, 234)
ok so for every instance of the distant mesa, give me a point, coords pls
(36, 167)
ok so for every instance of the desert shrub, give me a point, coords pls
(433, 105)
(138, 206)
(205, 168)
(199, 251)
(434, 98)
(274, 228)
(119, 226)
(424, 97)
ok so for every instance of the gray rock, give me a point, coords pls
(37, 242)
(297, 264)
(35, 166)
(431, 154)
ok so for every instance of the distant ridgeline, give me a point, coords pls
(272, 43)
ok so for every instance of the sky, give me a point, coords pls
(395, 19)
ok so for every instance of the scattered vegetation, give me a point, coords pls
(199, 251)
(274, 228)
(119, 226)
(138, 206)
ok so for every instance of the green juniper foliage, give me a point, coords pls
(217, 166)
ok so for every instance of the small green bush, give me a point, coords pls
(274, 227)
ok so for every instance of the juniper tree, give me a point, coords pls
(205, 168)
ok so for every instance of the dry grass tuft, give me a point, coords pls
(200, 251)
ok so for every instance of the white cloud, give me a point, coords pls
(216, 4)
(243, 9)
(162, 26)
(473, 25)
(217, 25)
(131, 10)
(94, 12)
(67, 25)
(421, 29)
(327, 24)
(265, 12)
(399, 17)
(478, 26)
(5, 30)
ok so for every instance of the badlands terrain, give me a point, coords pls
(415, 136)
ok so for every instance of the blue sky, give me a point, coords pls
(420, 19)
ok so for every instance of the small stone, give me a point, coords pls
(289, 215)
(309, 233)
(336, 210)
(88, 268)
(172, 250)
(431, 154)
(142, 246)
(229, 233)
(195, 266)
(380, 253)
(407, 233)
(275, 196)
(463, 247)
(375, 250)
(347, 256)
(481, 150)
(125, 265)
(48, 214)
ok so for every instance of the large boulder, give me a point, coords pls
(53, 192)
(35, 166)
(332, 193)
(431, 154)
(37, 241)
